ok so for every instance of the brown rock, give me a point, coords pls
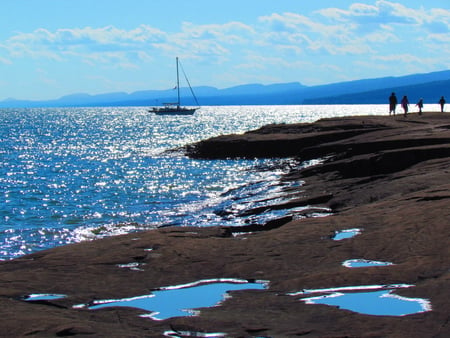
(388, 176)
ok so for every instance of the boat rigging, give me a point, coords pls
(176, 108)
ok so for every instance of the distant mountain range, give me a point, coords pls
(429, 86)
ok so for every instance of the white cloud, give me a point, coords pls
(106, 45)
(440, 38)
(335, 31)
(110, 45)
(291, 28)
(88, 36)
(295, 23)
(359, 9)
(404, 58)
(389, 13)
(383, 12)
(231, 32)
(385, 32)
(5, 61)
(382, 37)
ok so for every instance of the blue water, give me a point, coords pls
(375, 302)
(363, 263)
(179, 301)
(73, 174)
(43, 296)
(346, 234)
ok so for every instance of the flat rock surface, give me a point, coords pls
(389, 176)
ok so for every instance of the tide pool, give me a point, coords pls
(181, 300)
(378, 300)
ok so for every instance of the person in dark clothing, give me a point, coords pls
(420, 105)
(392, 103)
(442, 103)
(405, 104)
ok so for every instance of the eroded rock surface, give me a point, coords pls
(388, 176)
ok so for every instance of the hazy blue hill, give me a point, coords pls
(13, 103)
(285, 93)
(427, 85)
(252, 89)
(319, 94)
(430, 92)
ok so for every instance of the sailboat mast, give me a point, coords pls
(178, 85)
(170, 108)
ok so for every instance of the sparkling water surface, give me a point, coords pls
(72, 174)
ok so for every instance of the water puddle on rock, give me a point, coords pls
(132, 266)
(345, 234)
(180, 300)
(182, 334)
(43, 296)
(378, 300)
(363, 263)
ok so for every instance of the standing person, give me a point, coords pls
(392, 103)
(442, 102)
(420, 105)
(405, 104)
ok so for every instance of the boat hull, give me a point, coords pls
(173, 111)
(175, 108)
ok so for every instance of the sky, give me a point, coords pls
(52, 48)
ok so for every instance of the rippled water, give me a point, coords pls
(70, 174)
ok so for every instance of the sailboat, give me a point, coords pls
(175, 108)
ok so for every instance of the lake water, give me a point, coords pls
(73, 174)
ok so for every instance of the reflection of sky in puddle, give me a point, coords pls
(43, 296)
(376, 300)
(180, 300)
(179, 334)
(344, 234)
(132, 266)
(362, 263)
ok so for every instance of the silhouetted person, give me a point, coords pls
(442, 102)
(405, 104)
(420, 105)
(392, 103)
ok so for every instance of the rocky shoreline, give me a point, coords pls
(386, 175)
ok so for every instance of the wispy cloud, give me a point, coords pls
(361, 29)
(5, 61)
(103, 45)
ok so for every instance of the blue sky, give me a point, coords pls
(51, 48)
